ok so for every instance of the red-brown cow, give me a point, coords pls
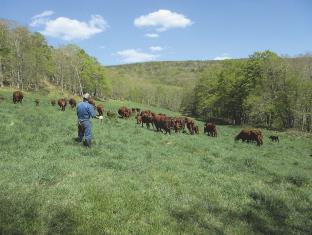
(100, 109)
(146, 118)
(124, 112)
(210, 129)
(18, 97)
(179, 124)
(250, 135)
(190, 124)
(92, 102)
(72, 102)
(163, 123)
(62, 103)
(138, 118)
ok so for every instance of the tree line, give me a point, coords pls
(26, 61)
(263, 90)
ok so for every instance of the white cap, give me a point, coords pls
(86, 96)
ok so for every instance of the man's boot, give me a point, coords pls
(87, 143)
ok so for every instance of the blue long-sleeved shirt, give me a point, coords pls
(85, 111)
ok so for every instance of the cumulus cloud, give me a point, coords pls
(41, 18)
(133, 56)
(162, 20)
(156, 48)
(152, 35)
(69, 29)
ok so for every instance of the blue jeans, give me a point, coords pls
(84, 129)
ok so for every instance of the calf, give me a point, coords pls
(274, 138)
(110, 114)
(53, 102)
(37, 102)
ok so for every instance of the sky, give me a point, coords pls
(129, 31)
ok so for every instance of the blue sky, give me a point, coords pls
(125, 31)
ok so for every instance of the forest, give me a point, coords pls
(265, 89)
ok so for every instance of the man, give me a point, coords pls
(85, 111)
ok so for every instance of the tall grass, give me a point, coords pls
(134, 180)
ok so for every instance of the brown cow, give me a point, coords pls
(110, 114)
(146, 118)
(92, 102)
(62, 103)
(37, 102)
(250, 135)
(100, 109)
(124, 112)
(163, 123)
(210, 129)
(179, 124)
(53, 102)
(18, 97)
(72, 102)
(190, 124)
(138, 117)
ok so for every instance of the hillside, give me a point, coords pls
(175, 73)
(134, 180)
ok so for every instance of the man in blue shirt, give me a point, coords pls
(85, 111)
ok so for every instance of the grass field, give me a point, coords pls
(134, 180)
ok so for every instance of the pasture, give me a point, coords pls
(134, 180)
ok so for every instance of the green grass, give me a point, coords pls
(134, 180)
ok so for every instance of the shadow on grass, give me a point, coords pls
(268, 214)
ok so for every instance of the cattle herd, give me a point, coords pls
(159, 122)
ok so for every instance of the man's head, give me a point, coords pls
(86, 96)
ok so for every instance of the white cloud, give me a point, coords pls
(43, 14)
(222, 58)
(133, 56)
(156, 48)
(162, 20)
(69, 29)
(102, 47)
(41, 18)
(152, 35)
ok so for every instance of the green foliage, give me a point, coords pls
(134, 180)
(26, 61)
(264, 90)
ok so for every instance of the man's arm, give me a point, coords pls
(91, 111)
